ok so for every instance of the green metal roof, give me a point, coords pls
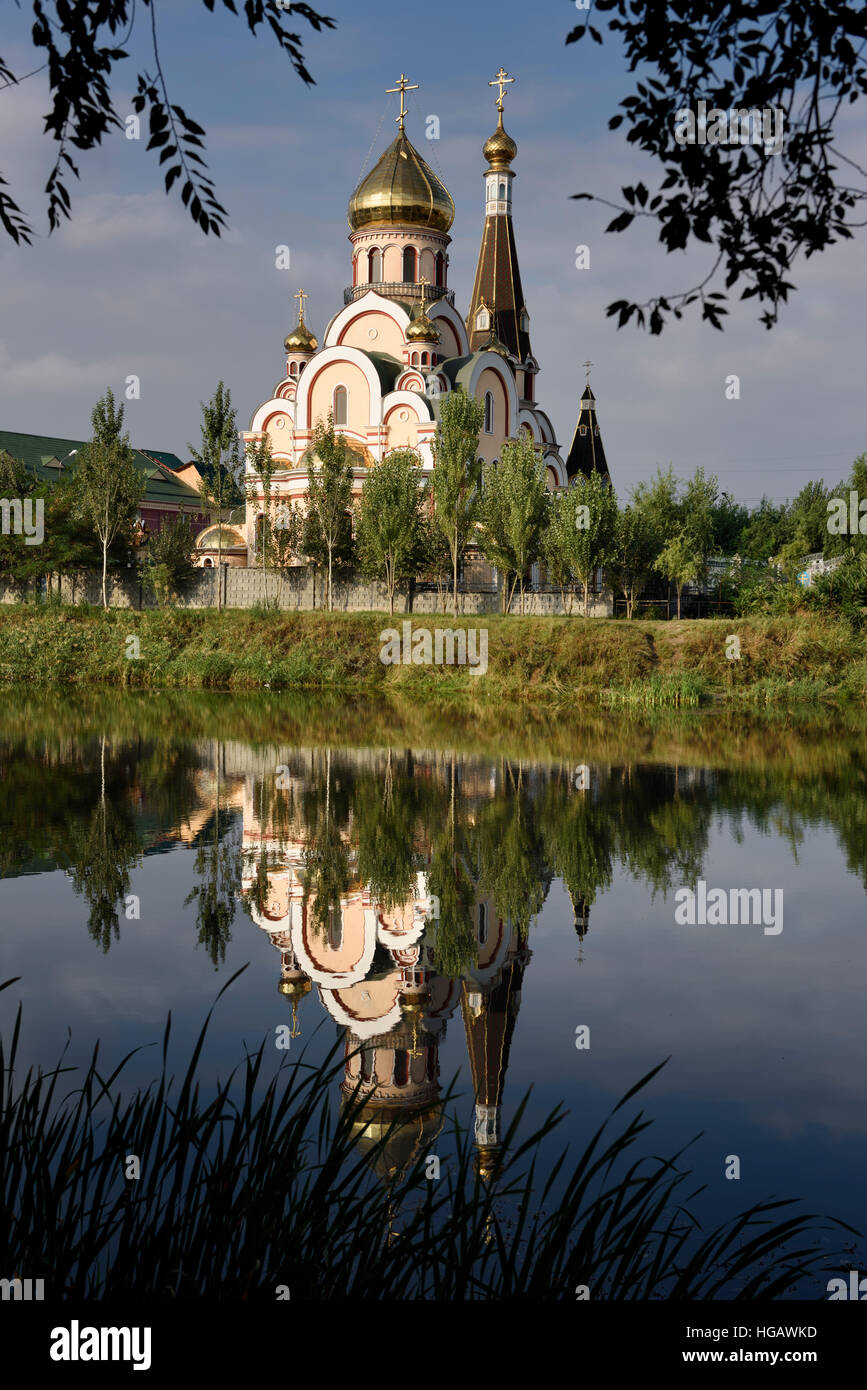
(36, 451)
(168, 460)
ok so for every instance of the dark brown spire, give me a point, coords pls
(587, 454)
(497, 287)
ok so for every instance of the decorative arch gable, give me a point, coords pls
(367, 304)
(441, 311)
(354, 362)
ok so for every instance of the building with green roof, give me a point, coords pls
(165, 495)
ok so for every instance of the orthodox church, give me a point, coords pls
(399, 345)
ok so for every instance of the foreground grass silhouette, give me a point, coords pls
(263, 1186)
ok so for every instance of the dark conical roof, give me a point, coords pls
(587, 454)
(497, 287)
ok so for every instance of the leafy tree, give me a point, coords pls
(808, 517)
(168, 561)
(514, 509)
(19, 562)
(286, 537)
(219, 461)
(80, 46)
(758, 207)
(559, 542)
(766, 531)
(258, 480)
(658, 499)
(71, 548)
(328, 527)
(681, 562)
(595, 529)
(633, 554)
(730, 519)
(697, 511)
(456, 475)
(389, 536)
(110, 485)
(435, 561)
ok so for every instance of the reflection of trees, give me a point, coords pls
(512, 867)
(661, 831)
(449, 880)
(326, 861)
(102, 854)
(218, 865)
(578, 831)
(385, 815)
(491, 833)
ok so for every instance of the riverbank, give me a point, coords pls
(549, 661)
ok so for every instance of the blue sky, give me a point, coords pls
(130, 287)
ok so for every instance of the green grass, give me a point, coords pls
(681, 690)
(263, 1186)
(551, 661)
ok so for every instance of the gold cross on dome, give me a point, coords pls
(424, 282)
(501, 81)
(403, 86)
(588, 365)
(300, 296)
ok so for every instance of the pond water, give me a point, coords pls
(515, 921)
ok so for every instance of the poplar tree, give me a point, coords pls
(456, 476)
(595, 529)
(328, 528)
(633, 554)
(110, 486)
(219, 461)
(260, 462)
(680, 561)
(559, 543)
(514, 509)
(389, 536)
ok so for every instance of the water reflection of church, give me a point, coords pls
(375, 975)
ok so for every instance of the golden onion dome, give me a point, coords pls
(494, 345)
(300, 339)
(500, 149)
(422, 330)
(401, 189)
(296, 986)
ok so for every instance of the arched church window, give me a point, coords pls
(414, 359)
(401, 1066)
(440, 268)
(341, 405)
(424, 359)
(374, 266)
(582, 429)
(489, 412)
(293, 368)
(409, 256)
(483, 320)
(502, 190)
